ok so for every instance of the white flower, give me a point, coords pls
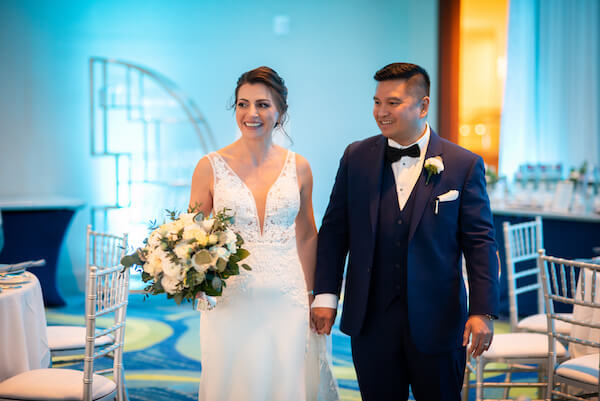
(213, 239)
(170, 284)
(154, 263)
(154, 239)
(182, 251)
(220, 252)
(208, 224)
(174, 270)
(195, 232)
(152, 269)
(433, 165)
(231, 237)
(187, 219)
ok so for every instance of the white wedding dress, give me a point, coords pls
(256, 344)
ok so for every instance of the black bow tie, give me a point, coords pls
(394, 154)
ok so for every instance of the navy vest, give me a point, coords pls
(389, 266)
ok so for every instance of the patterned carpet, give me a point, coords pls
(162, 352)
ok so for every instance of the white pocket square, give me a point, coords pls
(448, 196)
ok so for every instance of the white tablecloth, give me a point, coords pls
(23, 341)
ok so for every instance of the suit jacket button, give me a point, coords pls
(399, 221)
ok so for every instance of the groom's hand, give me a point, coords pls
(322, 319)
(481, 330)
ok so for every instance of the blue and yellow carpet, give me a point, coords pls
(162, 351)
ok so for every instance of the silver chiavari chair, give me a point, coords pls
(576, 284)
(521, 244)
(67, 343)
(107, 293)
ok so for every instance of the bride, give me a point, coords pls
(257, 344)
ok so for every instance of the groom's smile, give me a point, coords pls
(400, 110)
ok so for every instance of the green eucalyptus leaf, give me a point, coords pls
(221, 264)
(242, 253)
(130, 260)
(198, 218)
(202, 257)
(245, 266)
(216, 283)
(178, 298)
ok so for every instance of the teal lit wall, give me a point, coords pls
(327, 58)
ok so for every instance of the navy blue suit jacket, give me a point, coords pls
(436, 297)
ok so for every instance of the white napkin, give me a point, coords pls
(17, 267)
(448, 196)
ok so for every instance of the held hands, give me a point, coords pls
(481, 330)
(322, 319)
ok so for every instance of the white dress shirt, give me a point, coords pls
(406, 173)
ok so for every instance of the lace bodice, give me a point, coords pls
(281, 207)
(273, 254)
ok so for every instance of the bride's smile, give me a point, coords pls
(255, 111)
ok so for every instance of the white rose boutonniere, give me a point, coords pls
(433, 165)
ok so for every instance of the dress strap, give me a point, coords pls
(290, 165)
(216, 165)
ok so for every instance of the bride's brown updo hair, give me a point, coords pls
(268, 77)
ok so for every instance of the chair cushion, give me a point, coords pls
(583, 369)
(538, 324)
(62, 338)
(521, 345)
(53, 384)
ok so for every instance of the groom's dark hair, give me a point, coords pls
(405, 71)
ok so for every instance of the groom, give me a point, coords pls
(406, 205)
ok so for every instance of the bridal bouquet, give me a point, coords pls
(190, 256)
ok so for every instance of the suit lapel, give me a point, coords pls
(423, 192)
(374, 162)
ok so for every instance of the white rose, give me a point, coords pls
(231, 237)
(208, 224)
(178, 224)
(435, 162)
(152, 269)
(182, 251)
(155, 259)
(154, 239)
(170, 284)
(187, 219)
(173, 270)
(220, 252)
(213, 239)
(197, 233)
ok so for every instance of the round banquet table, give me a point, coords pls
(23, 342)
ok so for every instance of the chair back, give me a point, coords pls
(104, 250)
(107, 293)
(521, 244)
(576, 284)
